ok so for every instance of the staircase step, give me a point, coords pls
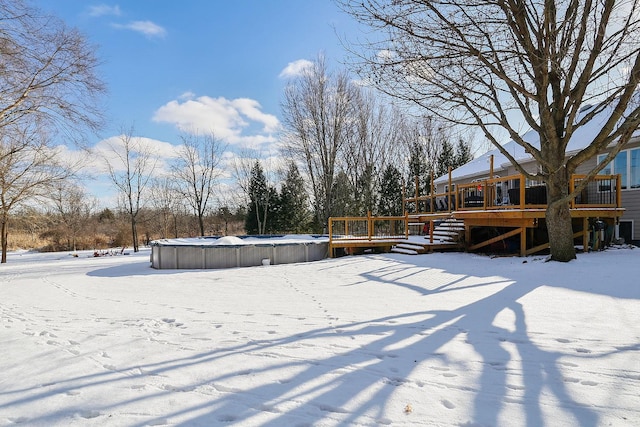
(398, 250)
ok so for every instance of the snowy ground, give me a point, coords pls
(435, 340)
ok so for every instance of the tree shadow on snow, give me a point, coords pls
(354, 384)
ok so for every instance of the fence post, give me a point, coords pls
(369, 225)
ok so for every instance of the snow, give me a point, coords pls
(445, 339)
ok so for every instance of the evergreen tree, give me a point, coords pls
(463, 153)
(293, 211)
(446, 158)
(390, 201)
(262, 201)
(418, 167)
(367, 189)
(343, 201)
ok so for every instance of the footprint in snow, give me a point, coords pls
(447, 404)
(90, 414)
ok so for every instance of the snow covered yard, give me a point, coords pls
(442, 339)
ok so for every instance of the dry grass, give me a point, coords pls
(21, 240)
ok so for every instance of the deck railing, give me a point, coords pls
(515, 192)
(368, 228)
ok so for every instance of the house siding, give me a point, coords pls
(630, 197)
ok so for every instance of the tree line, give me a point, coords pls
(348, 153)
(343, 151)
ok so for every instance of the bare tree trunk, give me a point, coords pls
(4, 231)
(134, 234)
(201, 223)
(558, 217)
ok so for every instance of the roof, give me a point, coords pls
(480, 166)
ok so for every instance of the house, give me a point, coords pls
(627, 164)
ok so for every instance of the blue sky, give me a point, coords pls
(172, 65)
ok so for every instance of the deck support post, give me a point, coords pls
(523, 241)
(585, 234)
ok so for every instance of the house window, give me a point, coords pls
(627, 164)
(634, 166)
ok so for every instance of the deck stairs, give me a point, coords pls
(447, 234)
(450, 230)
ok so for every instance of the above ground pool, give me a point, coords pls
(232, 251)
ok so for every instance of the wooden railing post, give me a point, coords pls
(522, 191)
(369, 225)
(431, 225)
(406, 225)
(404, 196)
(330, 237)
(485, 189)
(417, 192)
(449, 192)
(572, 187)
(618, 191)
(432, 194)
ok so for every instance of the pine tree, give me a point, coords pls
(446, 158)
(390, 202)
(343, 201)
(293, 212)
(463, 153)
(367, 189)
(262, 201)
(418, 167)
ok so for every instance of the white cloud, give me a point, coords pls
(104, 9)
(229, 120)
(187, 95)
(148, 28)
(296, 68)
(106, 150)
(251, 109)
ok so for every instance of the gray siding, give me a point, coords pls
(630, 197)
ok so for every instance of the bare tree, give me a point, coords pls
(130, 165)
(47, 72)
(370, 146)
(30, 166)
(196, 171)
(318, 109)
(74, 209)
(167, 204)
(477, 62)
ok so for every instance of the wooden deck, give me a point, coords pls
(482, 222)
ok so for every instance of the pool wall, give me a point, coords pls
(180, 256)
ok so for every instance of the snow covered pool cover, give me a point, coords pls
(232, 251)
